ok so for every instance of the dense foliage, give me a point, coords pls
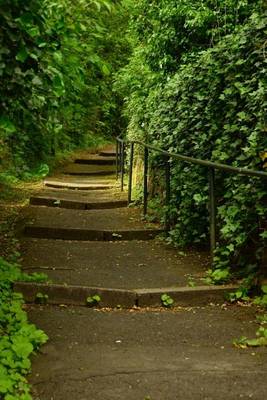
(57, 60)
(196, 85)
(18, 338)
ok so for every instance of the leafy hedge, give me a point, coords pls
(56, 65)
(196, 85)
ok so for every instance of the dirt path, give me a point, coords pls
(80, 232)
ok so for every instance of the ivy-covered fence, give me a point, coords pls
(196, 85)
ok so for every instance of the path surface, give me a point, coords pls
(80, 232)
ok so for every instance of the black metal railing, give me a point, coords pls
(211, 166)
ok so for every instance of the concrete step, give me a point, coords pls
(76, 204)
(84, 170)
(87, 173)
(124, 265)
(107, 153)
(83, 200)
(159, 355)
(96, 160)
(77, 295)
(83, 195)
(90, 182)
(57, 184)
(105, 225)
(48, 232)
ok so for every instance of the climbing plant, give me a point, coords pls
(195, 84)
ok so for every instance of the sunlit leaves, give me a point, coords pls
(195, 85)
(57, 60)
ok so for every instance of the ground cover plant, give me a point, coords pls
(18, 337)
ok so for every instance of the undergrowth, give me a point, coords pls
(248, 292)
(18, 337)
(13, 179)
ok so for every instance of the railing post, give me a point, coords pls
(122, 165)
(145, 180)
(117, 159)
(130, 174)
(212, 210)
(168, 193)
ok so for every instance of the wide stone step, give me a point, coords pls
(106, 225)
(77, 204)
(107, 153)
(84, 170)
(96, 160)
(63, 177)
(159, 355)
(77, 295)
(83, 195)
(125, 264)
(89, 234)
(88, 173)
(52, 183)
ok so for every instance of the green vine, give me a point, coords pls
(196, 85)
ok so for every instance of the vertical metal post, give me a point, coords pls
(212, 210)
(122, 166)
(130, 174)
(120, 153)
(168, 193)
(117, 159)
(145, 180)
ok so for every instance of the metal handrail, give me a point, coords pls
(198, 161)
(212, 167)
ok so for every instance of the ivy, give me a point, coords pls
(261, 335)
(196, 85)
(18, 338)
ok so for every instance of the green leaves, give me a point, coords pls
(219, 275)
(28, 24)
(260, 340)
(6, 382)
(18, 338)
(21, 347)
(191, 88)
(167, 301)
(58, 85)
(93, 301)
(41, 298)
(22, 55)
(6, 125)
(57, 61)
